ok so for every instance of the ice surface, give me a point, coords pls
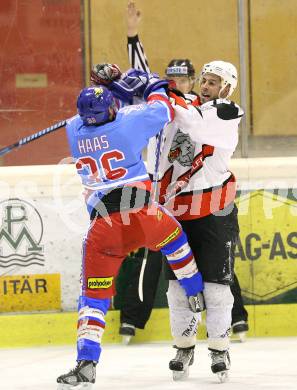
(260, 363)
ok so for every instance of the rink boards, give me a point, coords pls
(43, 220)
(25, 330)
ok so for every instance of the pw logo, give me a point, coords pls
(20, 234)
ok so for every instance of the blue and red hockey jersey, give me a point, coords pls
(109, 156)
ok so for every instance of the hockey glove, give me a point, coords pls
(121, 90)
(193, 287)
(137, 80)
(154, 83)
(104, 74)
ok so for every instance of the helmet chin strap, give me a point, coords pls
(222, 90)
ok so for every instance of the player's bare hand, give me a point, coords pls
(133, 19)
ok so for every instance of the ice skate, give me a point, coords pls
(180, 364)
(220, 364)
(127, 331)
(81, 377)
(239, 330)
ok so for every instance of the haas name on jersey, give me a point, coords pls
(88, 145)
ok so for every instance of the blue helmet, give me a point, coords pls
(93, 105)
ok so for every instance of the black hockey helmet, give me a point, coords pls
(180, 67)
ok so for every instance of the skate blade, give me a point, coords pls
(126, 340)
(223, 376)
(180, 375)
(80, 386)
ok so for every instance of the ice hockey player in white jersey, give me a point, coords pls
(198, 188)
(199, 145)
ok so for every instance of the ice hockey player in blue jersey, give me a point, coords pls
(106, 144)
(101, 163)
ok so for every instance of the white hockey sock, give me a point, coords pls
(219, 302)
(183, 321)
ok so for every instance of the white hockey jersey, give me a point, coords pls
(193, 175)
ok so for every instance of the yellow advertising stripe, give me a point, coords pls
(28, 330)
(27, 293)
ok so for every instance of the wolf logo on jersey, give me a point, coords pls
(182, 149)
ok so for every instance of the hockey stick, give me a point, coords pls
(155, 196)
(32, 137)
